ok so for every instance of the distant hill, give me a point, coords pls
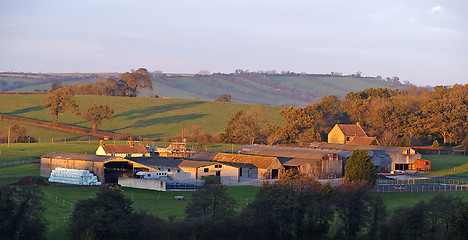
(285, 89)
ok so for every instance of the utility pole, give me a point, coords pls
(182, 132)
(206, 138)
(8, 135)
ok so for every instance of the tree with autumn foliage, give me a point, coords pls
(96, 114)
(247, 127)
(133, 82)
(298, 127)
(60, 101)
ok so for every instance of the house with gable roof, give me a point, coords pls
(350, 134)
(123, 150)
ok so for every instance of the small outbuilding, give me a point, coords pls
(251, 166)
(181, 169)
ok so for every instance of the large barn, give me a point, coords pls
(107, 168)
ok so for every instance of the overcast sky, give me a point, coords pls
(424, 42)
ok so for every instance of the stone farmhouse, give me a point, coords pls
(350, 134)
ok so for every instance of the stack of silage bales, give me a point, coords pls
(73, 176)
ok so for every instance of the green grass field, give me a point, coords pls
(145, 117)
(456, 165)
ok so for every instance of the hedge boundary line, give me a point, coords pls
(23, 93)
(63, 127)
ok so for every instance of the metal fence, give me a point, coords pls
(19, 162)
(442, 152)
(184, 185)
(421, 185)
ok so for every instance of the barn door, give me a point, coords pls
(274, 173)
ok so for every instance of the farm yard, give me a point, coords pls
(60, 198)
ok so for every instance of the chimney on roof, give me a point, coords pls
(130, 143)
(101, 143)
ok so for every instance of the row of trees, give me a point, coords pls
(421, 114)
(129, 84)
(60, 101)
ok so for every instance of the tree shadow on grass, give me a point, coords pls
(169, 120)
(26, 110)
(141, 113)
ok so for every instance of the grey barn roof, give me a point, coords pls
(170, 162)
(78, 156)
(344, 150)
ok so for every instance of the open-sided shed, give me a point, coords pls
(106, 168)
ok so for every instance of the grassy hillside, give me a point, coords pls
(259, 88)
(145, 117)
(272, 89)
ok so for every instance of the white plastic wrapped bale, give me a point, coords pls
(73, 176)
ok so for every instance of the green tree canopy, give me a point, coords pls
(360, 167)
(96, 114)
(60, 101)
(108, 216)
(21, 213)
(211, 200)
(405, 141)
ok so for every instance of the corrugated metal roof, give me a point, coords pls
(297, 161)
(292, 153)
(170, 162)
(78, 156)
(237, 160)
(241, 159)
(204, 156)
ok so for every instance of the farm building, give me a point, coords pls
(350, 134)
(320, 165)
(175, 150)
(181, 169)
(106, 168)
(123, 150)
(386, 159)
(257, 167)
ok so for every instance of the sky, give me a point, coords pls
(424, 42)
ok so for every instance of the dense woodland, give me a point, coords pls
(421, 114)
